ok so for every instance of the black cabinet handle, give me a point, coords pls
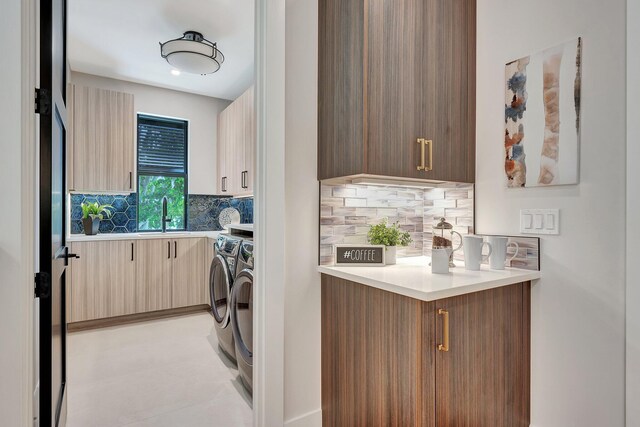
(131, 251)
(168, 250)
(244, 179)
(130, 180)
(175, 248)
(224, 183)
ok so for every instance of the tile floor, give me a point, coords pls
(159, 373)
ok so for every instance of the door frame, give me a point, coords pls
(269, 211)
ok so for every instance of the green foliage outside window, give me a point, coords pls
(151, 191)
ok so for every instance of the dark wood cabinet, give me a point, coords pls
(390, 73)
(382, 365)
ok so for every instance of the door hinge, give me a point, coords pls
(43, 101)
(42, 285)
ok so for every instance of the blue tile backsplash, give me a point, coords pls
(203, 212)
(123, 220)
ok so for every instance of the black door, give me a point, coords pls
(53, 251)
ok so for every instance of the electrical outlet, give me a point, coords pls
(540, 221)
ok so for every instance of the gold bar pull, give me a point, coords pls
(421, 141)
(445, 330)
(430, 167)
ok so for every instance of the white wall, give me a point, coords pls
(201, 111)
(578, 306)
(302, 298)
(633, 213)
(14, 316)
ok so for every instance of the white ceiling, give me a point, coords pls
(119, 39)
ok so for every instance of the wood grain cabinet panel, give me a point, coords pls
(381, 365)
(189, 280)
(102, 144)
(154, 275)
(396, 71)
(236, 146)
(102, 280)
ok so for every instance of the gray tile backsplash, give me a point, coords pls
(347, 210)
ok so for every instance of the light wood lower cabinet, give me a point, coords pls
(121, 277)
(102, 280)
(153, 275)
(189, 269)
(382, 364)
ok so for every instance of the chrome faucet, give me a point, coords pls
(165, 220)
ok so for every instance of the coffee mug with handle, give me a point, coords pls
(499, 245)
(473, 251)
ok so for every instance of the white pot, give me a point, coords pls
(390, 255)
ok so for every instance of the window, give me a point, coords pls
(162, 171)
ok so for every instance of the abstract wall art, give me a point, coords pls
(542, 117)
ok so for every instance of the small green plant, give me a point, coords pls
(388, 235)
(94, 210)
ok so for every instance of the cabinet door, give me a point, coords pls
(153, 275)
(221, 151)
(421, 84)
(247, 129)
(189, 280)
(103, 140)
(483, 378)
(102, 280)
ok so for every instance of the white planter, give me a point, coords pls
(390, 255)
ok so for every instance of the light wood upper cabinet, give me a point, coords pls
(154, 275)
(236, 146)
(102, 280)
(395, 72)
(189, 286)
(101, 156)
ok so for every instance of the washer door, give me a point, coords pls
(220, 290)
(242, 315)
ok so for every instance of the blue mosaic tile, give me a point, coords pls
(90, 199)
(106, 226)
(76, 212)
(119, 230)
(132, 226)
(204, 210)
(106, 199)
(132, 212)
(76, 199)
(120, 204)
(119, 219)
(76, 227)
(132, 199)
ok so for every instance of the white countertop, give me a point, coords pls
(137, 236)
(244, 227)
(412, 277)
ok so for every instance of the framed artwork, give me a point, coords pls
(542, 117)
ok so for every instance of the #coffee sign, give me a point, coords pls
(366, 255)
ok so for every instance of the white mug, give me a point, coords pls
(499, 247)
(440, 260)
(473, 251)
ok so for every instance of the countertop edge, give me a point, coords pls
(481, 285)
(141, 236)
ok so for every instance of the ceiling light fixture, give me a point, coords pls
(192, 53)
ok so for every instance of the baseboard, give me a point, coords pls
(134, 318)
(310, 419)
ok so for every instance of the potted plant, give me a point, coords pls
(92, 213)
(389, 235)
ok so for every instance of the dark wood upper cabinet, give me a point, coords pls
(391, 72)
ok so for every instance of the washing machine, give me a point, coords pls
(242, 314)
(221, 281)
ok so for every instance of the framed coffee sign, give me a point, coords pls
(360, 255)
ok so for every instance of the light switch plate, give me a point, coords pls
(540, 221)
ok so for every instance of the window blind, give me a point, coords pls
(162, 145)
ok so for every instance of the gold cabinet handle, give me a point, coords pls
(445, 330)
(430, 167)
(422, 166)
